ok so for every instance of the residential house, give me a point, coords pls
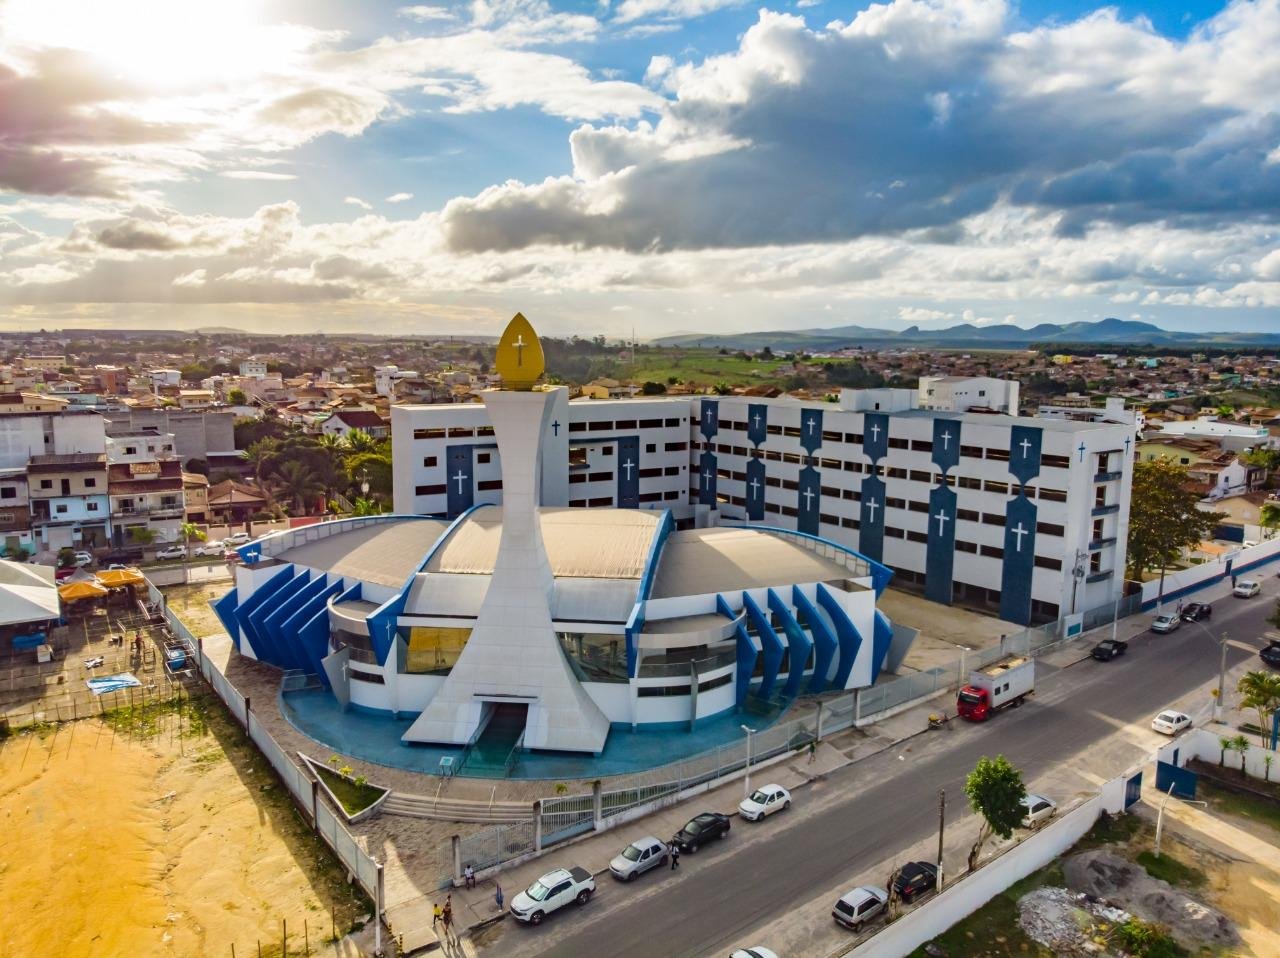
(344, 420)
(235, 502)
(146, 496)
(15, 513)
(195, 497)
(69, 502)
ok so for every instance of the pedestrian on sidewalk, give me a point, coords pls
(675, 856)
(448, 916)
(497, 893)
(469, 875)
(437, 915)
(813, 751)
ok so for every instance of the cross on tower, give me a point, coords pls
(519, 344)
(1081, 450)
(872, 505)
(459, 479)
(1025, 446)
(946, 440)
(756, 419)
(628, 465)
(1127, 440)
(706, 414)
(808, 500)
(755, 488)
(706, 478)
(555, 428)
(809, 424)
(943, 519)
(1019, 531)
(875, 432)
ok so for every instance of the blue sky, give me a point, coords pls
(668, 164)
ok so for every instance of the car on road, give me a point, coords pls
(1169, 722)
(1038, 809)
(83, 559)
(764, 801)
(755, 951)
(1195, 611)
(914, 879)
(552, 892)
(638, 857)
(1271, 654)
(701, 829)
(125, 557)
(1246, 589)
(1109, 649)
(172, 552)
(237, 539)
(855, 908)
(1166, 622)
(214, 547)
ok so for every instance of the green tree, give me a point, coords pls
(237, 397)
(1263, 456)
(1225, 745)
(1260, 691)
(1164, 517)
(299, 484)
(1241, 745)
(995, 792)
(722, 389)
(651, 388)
(357, 440)
(373, 466)
(141, 535)
(1269, 515)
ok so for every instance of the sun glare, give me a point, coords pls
(157, 42)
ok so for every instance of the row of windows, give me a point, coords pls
(657, 691)
(623, 424)
(453, 432)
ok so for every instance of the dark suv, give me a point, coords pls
(915, 879)
(701, 829)
(1195, 611)
(1271, 655)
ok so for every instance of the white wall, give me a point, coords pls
(1203, 744)
(1187, 581)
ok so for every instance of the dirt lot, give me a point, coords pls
(157, 833)
(942, 630)
(191, 603)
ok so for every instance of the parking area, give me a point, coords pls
(944, 632)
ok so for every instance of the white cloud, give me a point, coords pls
(356, 201)
(425, 14)
(399, 197)
(256, 175)
(630, 10)
(920, 314)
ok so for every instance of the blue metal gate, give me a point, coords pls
(1132, 790)
(1181, 780)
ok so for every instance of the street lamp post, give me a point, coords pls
(746, 780)
(1219, 696)
(1077, 573)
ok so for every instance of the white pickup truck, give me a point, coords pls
(551, 892)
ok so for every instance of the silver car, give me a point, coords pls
(1166, 622)
(855, 908)
(639, 857)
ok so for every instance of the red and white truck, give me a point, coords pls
(1002, 684)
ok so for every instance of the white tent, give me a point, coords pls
(28, 593)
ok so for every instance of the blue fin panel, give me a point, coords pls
(822, 638)
(770, 645)
(799, 644)
(225, 610)
(747, 653)
(883, 639)
(310, 626)
(847, 633)
(269, 617)
(279, 653)
(251, 605)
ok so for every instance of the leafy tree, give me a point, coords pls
(374, 466)
(722, 389)
(766, 353)
(1164, 517)
(357, 441)
(1263, 456)
(299, 483)
(142, 535)
(651, 388)
(237, 397)
(197, 465)
(673, 380)
(1269, 515)
(995, 792)
(248, 431)
(1260, 691)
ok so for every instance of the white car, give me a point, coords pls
(1246, 589)
(214, 547)
(551, 892)
(857, 907)
(83, 559)
(639, 857)
(764, 801)
(1038, 809)
(1166, 622)
(755, 951)
(171, 552)
(1170, 722)
(237, 539)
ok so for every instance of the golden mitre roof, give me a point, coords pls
(519, 360)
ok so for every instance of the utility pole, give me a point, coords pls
(1222, 676)
(942, 821)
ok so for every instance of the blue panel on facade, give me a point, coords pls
(771, 646)
(707, 479)
(846, 633)
(799, 645)
(383, 622)
(808, 501)
(875, 435)
(755, 489)
(824, 641)
(871, 518)
(260, 595)
(709, 418)
(313, 639)
(284, 621)
(881, 640)
(757, 423)
(940, 555)
(628, 459)
(459, 479)
(1024, 452)
(810, 430)
(746, 651)
(946, 443)
(1018, 565)
(268, 619)
(225, 610)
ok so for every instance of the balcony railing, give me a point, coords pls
(1097, 544)
(1107, 476)
(1106, 510)
(154, 512)
(660, 667)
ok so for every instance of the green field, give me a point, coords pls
(704, 367)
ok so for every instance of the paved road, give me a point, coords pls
(865, 813)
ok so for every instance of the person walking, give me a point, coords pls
(469, 875)
(448, 917)
(675, 856)
(813, 751)
(497, 893)
(437, 915)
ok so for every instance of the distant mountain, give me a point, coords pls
(1110, 331)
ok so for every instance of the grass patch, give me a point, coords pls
(1111, 830)
(993, 929)
(706, 367)
(354, 796)
(1245, 806)
(1171, 870)
(147, 719)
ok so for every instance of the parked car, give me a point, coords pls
(1109, 649)
(123, 557)
(1195, 611)
(1271, 654)
(1170, 722)
(1246, 588)
(755, 951)
(857, 907)
(552, 892)
(701, 829)
(237, 539)
(764, 801)
(231, 556)
(638, 857)
(1166, 622)
(83, 559)
(214, 547)
(914, 879)
(1038, 809)
(172, 552)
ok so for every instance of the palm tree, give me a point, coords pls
(299, 483)
(1225, 745)
(260, 454)
(357, 441)
(1241, 745)
(330, 441)
(1260, 690)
